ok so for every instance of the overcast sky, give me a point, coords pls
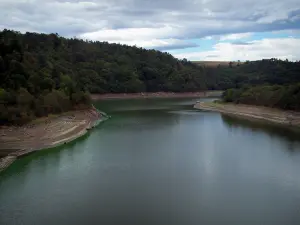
(192, 29)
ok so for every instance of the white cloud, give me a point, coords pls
(129, 34)
(160, 44)
(282, 48)
(142, 37)
(235, 36)
(208, 38)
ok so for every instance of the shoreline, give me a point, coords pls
(46, 133)
(156, 95)
(250, 112)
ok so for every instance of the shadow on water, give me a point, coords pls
(129, 105)
(144, 114)
(141, 120)
(289, 134)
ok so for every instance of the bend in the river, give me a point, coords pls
(159, 161)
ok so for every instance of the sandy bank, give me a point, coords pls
(45, 133)
(253, 112)
(157, 95)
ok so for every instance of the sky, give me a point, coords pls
(210, 30)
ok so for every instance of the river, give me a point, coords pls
(160, 162)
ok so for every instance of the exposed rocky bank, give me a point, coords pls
(45, 133)
(156, 95)
(290, 118)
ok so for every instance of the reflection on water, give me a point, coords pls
(49, 157)
(158, 162)
(288, 134)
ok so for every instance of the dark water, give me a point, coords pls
(160, 162)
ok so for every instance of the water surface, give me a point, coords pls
(158, 161)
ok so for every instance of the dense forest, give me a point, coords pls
(42, 74)
(252, 73)
(272, 83)
(278, 96)
(46, 73)
(30, 84)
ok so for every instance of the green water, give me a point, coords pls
(160, 162)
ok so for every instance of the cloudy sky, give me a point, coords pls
(192, 29)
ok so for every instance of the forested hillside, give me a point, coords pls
(266, 71)
(271, 83)
(278, 96)
(100, 67)
(42, 74)
(46, 73)
(31, 85)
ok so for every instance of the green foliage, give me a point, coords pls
(3, 94)
(98, 67)
(33, 81)
(43, 74)
(80, 98)
(266, 71)
(24, 98)
(278, 96)
(56, 102)
(271, 83)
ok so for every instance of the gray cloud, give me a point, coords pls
(186, 18)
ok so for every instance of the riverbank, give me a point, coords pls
(44, 133)
(290, 118)
(157, 95)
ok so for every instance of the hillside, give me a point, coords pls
(43, 74)
(100, 67)
(251, 73)
(46, 73)
(285, 97)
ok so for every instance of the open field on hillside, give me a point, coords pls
(215, 63)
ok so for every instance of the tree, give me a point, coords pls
(3, 96)
(24, 98)
(67, 85)
(2, 65)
